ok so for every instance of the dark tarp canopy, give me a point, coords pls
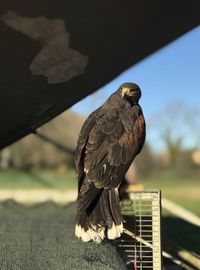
(54, 53)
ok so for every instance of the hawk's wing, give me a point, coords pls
(112, 143)
(82, 141)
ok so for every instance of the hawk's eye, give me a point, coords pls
(132, 91)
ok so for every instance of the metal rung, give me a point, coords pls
(145, 245)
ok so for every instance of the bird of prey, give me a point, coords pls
(109, 140)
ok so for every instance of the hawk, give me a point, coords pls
(109, 140)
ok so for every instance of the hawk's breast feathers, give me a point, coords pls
(108, 142)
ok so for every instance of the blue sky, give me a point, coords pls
(171, 74)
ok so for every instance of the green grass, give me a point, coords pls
(170, 183)
(37, 179)
(184, 192)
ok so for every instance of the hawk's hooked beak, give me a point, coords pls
(126, 91)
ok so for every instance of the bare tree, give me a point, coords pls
(177, 121)
(178, 127)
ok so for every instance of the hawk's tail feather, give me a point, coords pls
(114, 204)
(103, 219)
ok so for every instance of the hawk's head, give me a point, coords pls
(130, 92)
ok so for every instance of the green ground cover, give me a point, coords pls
(42, 237)
(183, 192)
(21, 240)
(37, 179)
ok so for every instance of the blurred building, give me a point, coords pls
(196, 157)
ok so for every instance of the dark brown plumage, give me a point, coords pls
(109, 140)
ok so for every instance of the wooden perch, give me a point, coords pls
(180, 211)
(181, 253)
